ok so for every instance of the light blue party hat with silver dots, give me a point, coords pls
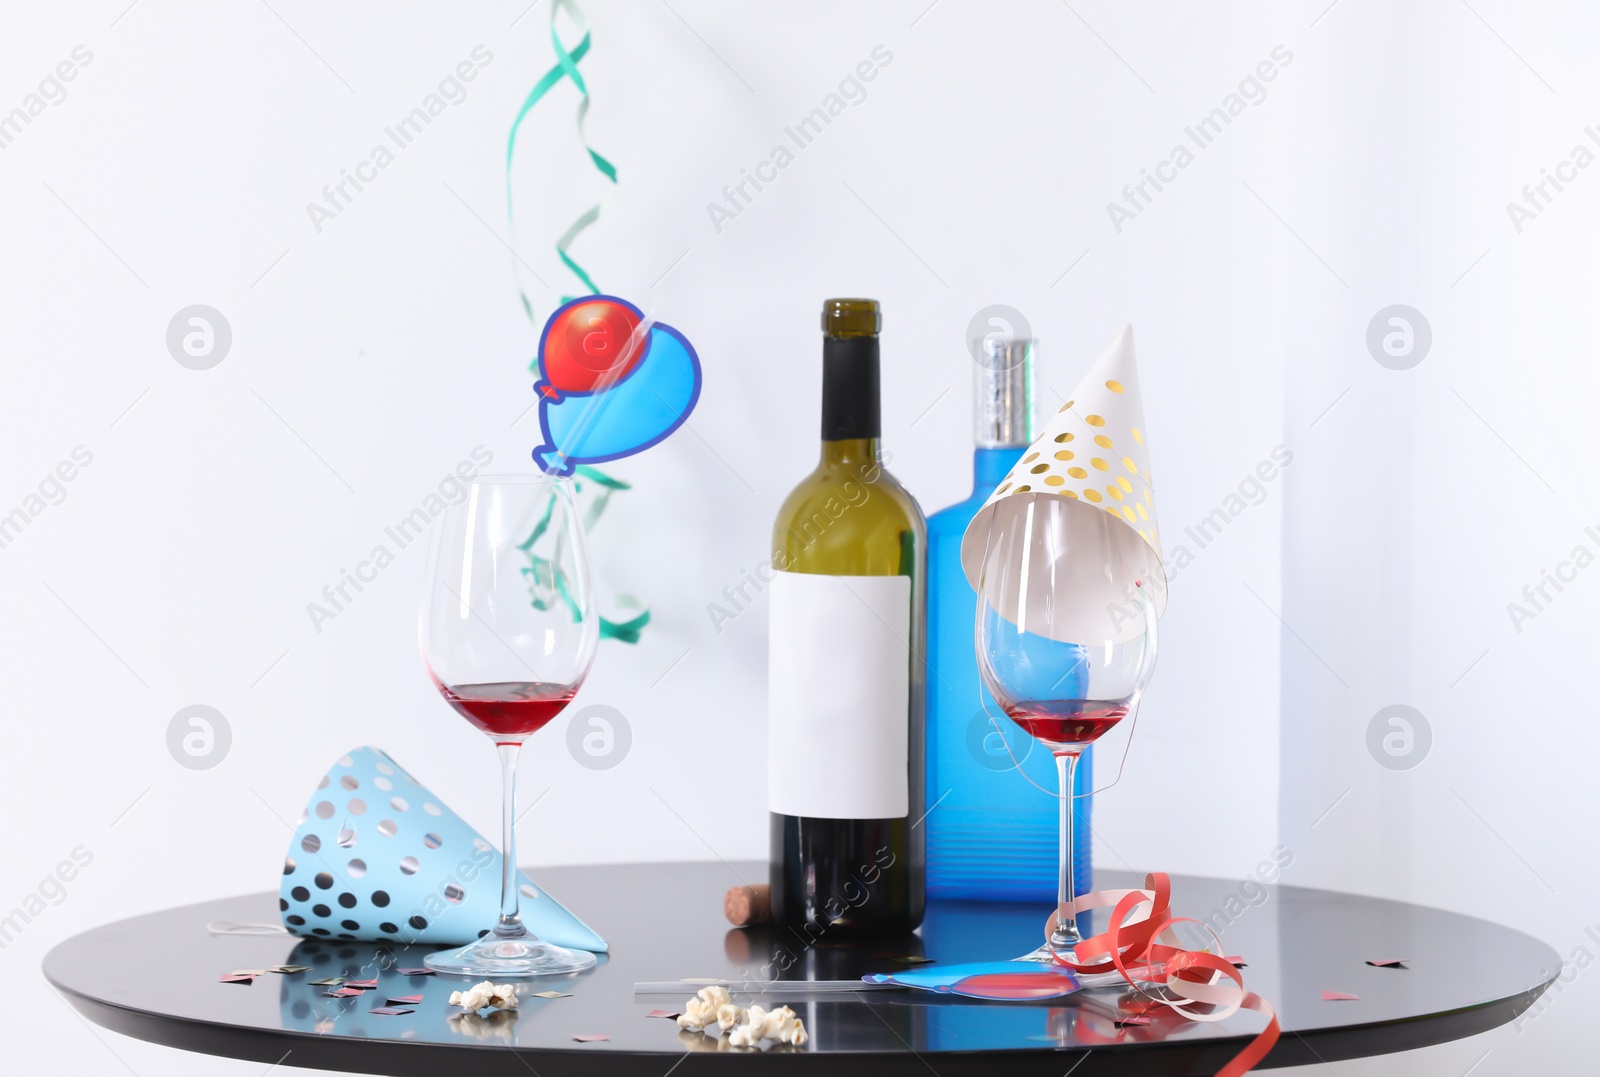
(377, 857)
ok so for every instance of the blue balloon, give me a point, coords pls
(637, 411)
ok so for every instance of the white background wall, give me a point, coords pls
(372, 356)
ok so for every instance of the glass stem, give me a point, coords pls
(1066, 936)
(510, 925)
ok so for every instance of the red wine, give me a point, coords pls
(509, 708)
(1069, 723)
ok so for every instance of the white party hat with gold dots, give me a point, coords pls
(1094, 453)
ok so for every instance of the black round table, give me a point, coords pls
(155, 977)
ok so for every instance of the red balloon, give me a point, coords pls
(586, 345)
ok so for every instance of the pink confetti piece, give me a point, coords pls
(414, 972)
(363, 984)
(1236, 961)
(1389, 962)
(671, 1015)
(1339, 996)
(391, 1011)
(1132, 1020)
(404, 1000)
(591, 1037)
(236, 978)
(342, 992)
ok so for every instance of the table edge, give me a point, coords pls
(408, 1059)
(404, 1058)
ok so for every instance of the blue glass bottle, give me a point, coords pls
(992, 823)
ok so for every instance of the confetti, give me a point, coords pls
(391, 1011)
(413, 972)
(331, 981)
(1339, 996)
(248, 972)
(236, 978)
(1389, 962)
(671, 1015)
(404, 1000)
(363, 984)
(1236, 961)
(1132, 1019)
(593, 1037)
(288, 970)
(552, 994)
(342, 992)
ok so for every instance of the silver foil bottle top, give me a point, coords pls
(1002, 399)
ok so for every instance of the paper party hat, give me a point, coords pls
(378, 857)
(1094, 454)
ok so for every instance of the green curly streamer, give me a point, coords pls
(566, 67)
(546, 583)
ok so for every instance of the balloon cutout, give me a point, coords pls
(612, 383)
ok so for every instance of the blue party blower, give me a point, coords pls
(997, 981)
(379, 858)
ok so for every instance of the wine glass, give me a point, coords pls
(1066, 641)
(508, 633)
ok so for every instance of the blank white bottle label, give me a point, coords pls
(839, 696)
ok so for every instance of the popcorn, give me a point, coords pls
(697, 1014)
(780, 1024)
(744, 1028)
(729, 1016)
(712, 1006)
(785, 1026)
(485, 995)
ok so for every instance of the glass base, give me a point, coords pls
(495, 957)
(1086, 980)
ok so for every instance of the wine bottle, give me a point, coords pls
(992, 810)
(846, 665)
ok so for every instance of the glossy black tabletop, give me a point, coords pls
(155, 977)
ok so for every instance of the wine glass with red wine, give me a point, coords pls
(508, 634)
(1063, 662)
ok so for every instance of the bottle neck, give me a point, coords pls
(849, 452)
(850, 402)
(1002, 398)
(990, 465)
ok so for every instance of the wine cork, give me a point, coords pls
(747, 905)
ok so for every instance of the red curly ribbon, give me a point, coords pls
(1140, 939)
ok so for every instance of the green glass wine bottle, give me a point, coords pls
(846, 662)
